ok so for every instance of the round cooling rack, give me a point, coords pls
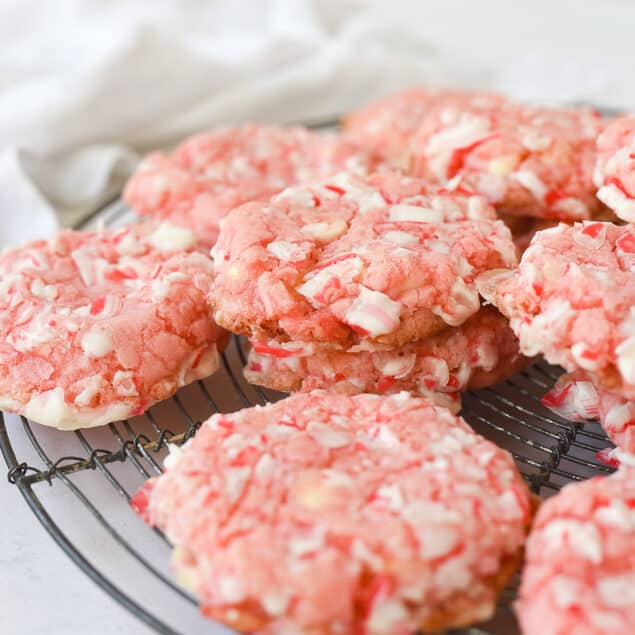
(78, 484)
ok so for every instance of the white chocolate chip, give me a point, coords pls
(168, 237)
(325, 232)
(97, 342)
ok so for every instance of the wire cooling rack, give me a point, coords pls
(78, 484)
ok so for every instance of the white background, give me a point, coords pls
(85, 84)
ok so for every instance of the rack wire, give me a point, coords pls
(79, 484)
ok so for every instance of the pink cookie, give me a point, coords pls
(476, 354)
(211, 173)
(380, 259)
(572, 299)
(579, 574)
(576, 397)
(615, 167)
(327, 514)
(97, 327)
(527, 161)
(387, 126)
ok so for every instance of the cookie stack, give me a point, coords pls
(365, 284)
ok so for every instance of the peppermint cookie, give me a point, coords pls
(211, 173)
(481, 352)
(577, 397)
(527, 161)
(387, 126)
(615, 168)
(97, 327)
(579, 574)
(326, 514)
(379, 259)
(572, 300)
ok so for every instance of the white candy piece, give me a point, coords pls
(366, 199)
(626, 359)
(325, 232)
(374, 312)
(344, 270)
(391, 364)
(94, 385)
(327, 436)
(289, 252)
(124, 384)
(461, 135)
(578, 352)
(581, 537)
(436, 541)
(463, 302)
(44, 291)
(386, 616)
(400, 238)
(168, 237)
(97, 342)
(391, 496)
(415, 214)
(531, 182)
(296, 194)
(623, 206)
(618, 590)
(85, 266)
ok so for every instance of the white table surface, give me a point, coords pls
(31, 602)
